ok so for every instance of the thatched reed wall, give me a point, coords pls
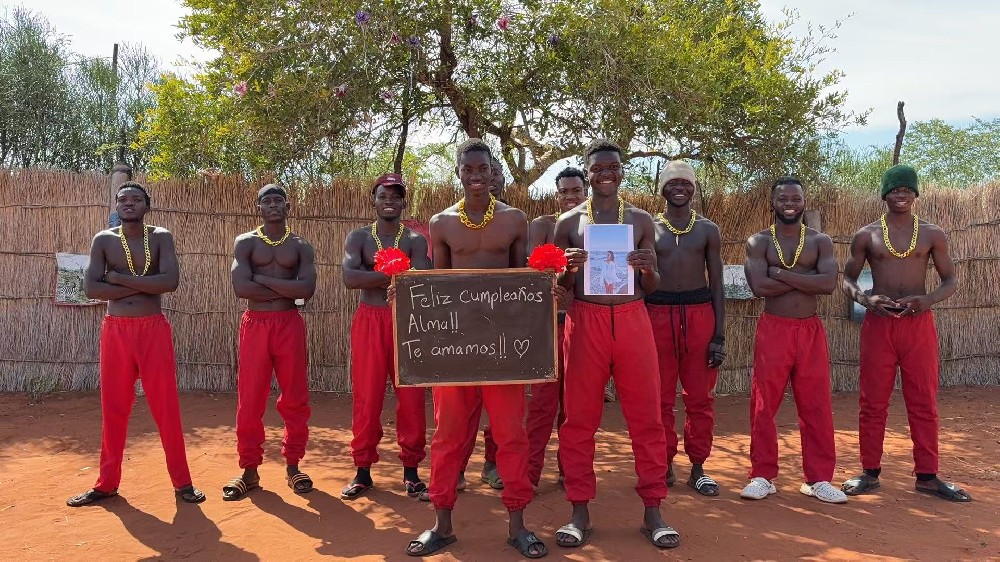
(48, 347)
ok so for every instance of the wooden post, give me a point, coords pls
(813, 219)
(120, 174)
(899, 135)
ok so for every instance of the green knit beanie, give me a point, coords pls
(899, 175)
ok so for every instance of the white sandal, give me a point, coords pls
(824, 491)
(758, 489)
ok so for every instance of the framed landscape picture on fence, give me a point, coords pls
(70, 269)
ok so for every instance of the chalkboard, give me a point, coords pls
(459, 327)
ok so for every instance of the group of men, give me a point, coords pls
(674, 320)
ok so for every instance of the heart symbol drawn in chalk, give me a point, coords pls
(521, 347)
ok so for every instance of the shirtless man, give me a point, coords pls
(372, 345)
(130, 267)
(789, 265)
(272, 268)
(602, 331)
(688, 318)
(898, 331)
(546, 399)
(483, 233)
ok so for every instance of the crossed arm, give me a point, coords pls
(823, 282)
(303, 285)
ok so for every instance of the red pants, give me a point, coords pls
(543, 409)
(791, 348)
(372, 363)
(601, 342)
(911, 343)
(682, 334)
(453, 406)
(490, 455)
(139, 348)
(272, 342)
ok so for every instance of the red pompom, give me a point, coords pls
(548, 256)
(391, 261)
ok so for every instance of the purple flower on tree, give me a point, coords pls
(240, 88)
(554, 39)
(362, 18)
(414, 41)
(504, 22)
(388, 96)
(395, 39)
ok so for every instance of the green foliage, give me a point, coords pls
(953, 156)
(322, 87)
(61, 110)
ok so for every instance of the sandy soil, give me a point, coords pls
(48, 452)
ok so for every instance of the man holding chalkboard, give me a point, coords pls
(605, 331)
(546, 399)
(372, 344)
(688, 318)
(478, 233)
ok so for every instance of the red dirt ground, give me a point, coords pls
(49, 452)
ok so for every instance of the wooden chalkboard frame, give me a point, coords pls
(510, 271)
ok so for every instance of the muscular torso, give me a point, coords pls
(485, 248)
(280, 262)
(578, 226)
(894, 277)
(141, 304)
(681, 259)
(795, 303)
(376, 297)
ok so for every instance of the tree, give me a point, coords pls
(954, 156)
(329, 84)
(61, 110)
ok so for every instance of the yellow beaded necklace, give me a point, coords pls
(128, 252)
(913, 241)
(260, 232)
(798, 251)
(676, 232)
(486, 218)
(621, 210)
(399, 235)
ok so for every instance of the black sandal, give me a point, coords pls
(861, 484)
(414, 489)
(704, 485)
(429, 542)
(190, 494)
(300, 478)
(525, 541)
(354, 490)
(237, 489)
(89, 497)
(947, 491)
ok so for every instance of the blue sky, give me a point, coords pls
(937, 56)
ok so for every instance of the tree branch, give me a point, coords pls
(899, 135)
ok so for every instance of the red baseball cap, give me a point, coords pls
(386, 180)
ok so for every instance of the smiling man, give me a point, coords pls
(789, 265)
(610, 336)
(898, 331)
(272, 268)
(479, 232)
(688, 317)
(372, 346)
(131, 266)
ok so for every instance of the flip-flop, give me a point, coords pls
(237, 489)
(947, 491)
(354, 490)
(492, 477)
(89, 497)
(190, 494)
(300, 478)
(655, 536)
(704, 486)
(579, 537)
(414, 489)
(429, 543)
(524, 541)
(861, 484)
